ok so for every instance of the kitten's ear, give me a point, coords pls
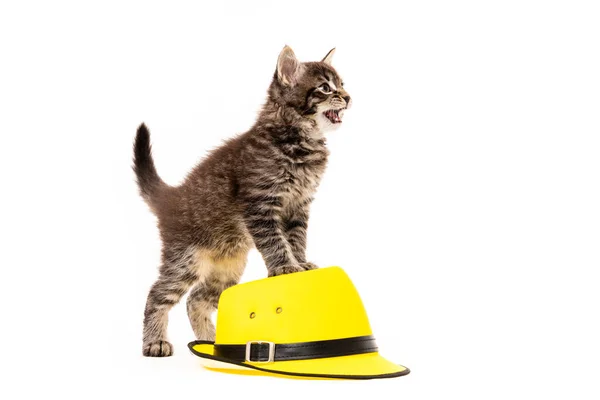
(328, 57)
(288, 67)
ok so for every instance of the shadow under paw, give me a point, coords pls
(158, 348)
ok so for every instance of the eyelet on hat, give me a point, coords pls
(278, 310)
(252, 315)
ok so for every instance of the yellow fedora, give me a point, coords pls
(307, 324)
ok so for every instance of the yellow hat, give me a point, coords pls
(305, 324)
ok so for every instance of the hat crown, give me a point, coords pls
(315, 305)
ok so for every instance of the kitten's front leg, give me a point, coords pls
(263, 220)
(295, 231)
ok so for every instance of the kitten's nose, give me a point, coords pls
(347, 98)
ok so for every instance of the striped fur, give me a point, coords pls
(255, 190)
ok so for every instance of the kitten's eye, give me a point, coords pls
(325, 88)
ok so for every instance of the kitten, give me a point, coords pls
(255, 190)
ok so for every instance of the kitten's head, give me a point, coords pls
(313, 89)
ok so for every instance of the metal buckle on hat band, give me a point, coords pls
(271, 357)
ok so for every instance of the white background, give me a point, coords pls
(462, 195)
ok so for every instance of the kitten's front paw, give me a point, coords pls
(158, 348)
(288, 269)
(308, 266)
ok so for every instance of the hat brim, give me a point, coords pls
(359, 366)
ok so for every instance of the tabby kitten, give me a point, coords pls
(255, 190)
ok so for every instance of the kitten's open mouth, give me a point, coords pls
(334, 116)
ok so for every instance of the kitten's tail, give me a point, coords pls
(143, 165)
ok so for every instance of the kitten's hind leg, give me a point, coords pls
(204, 297)
(177, 274)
